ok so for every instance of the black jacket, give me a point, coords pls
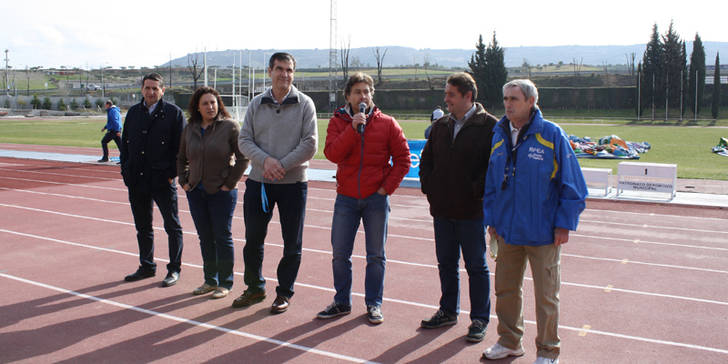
(149, 145)
(452, 172)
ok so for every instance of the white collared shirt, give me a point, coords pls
(514, 134)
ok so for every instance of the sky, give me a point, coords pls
(93, 34)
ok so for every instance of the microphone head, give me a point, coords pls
(362, 107)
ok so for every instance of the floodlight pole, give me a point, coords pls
(204, 63)
(681, 95)
(332, 55)
(7, 88)
(639, 94)
(653, 96)
(695, 114)
(667, 92)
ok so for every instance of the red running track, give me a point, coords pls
(641, 283)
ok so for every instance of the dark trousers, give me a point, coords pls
(213, 216)
(452, 236)
(291, 201)
(109, 136)
(141, 207)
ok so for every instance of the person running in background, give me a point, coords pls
(112, 128)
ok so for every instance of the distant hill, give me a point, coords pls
(396, 56)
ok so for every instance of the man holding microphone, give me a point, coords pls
(361, 140)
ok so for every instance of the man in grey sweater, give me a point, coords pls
(279, 135)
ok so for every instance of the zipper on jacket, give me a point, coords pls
(361, 166)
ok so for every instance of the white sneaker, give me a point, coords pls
(542, 360)
(499, 351)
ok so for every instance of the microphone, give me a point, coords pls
(362, 109)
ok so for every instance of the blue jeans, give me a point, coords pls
(450, 237)
(348, 211)
(165, 197)
(213, 216)
(291, 201)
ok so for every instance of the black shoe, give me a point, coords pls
(334, 310)
(280, 305)
(171, 279)
(103, 160)
(140, 273)
(476, 331)
(248, 298)
(439, 319)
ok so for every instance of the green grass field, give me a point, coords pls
(688, 147)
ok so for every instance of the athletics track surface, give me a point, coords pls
(640, 283)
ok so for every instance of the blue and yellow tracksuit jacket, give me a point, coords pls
(535, 186)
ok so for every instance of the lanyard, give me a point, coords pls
(510, 170)
(264, 198)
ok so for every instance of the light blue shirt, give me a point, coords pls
(459, 123)
(151, 108)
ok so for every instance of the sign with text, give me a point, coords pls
(647, 177)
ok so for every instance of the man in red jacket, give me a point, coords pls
(361, 139)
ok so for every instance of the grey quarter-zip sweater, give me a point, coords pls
(285, 131)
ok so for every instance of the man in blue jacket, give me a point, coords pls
(112, 128)
(534, 193)
(149, 146)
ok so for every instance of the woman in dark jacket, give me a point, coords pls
(210, 166)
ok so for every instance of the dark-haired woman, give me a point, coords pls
(210, 165)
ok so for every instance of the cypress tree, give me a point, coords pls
(673, 63)
(497, 74)
(697, 69)
(479, 70)
(716, 88)
(653, 91)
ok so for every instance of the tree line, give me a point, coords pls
(667, 80)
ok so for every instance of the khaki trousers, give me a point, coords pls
(545, 269)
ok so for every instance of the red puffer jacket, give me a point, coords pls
(383, 138)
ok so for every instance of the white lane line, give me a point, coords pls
(361, 231)
(648, 226)
(190, 321)
(680, 218)
(66, 175)
(329, 228)
(405, 302)
(67, 184)
(240, 201)
(418, 198)
(429, 266)
(640, 338)
(662, 295)
(623, 261)
(631, 240)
